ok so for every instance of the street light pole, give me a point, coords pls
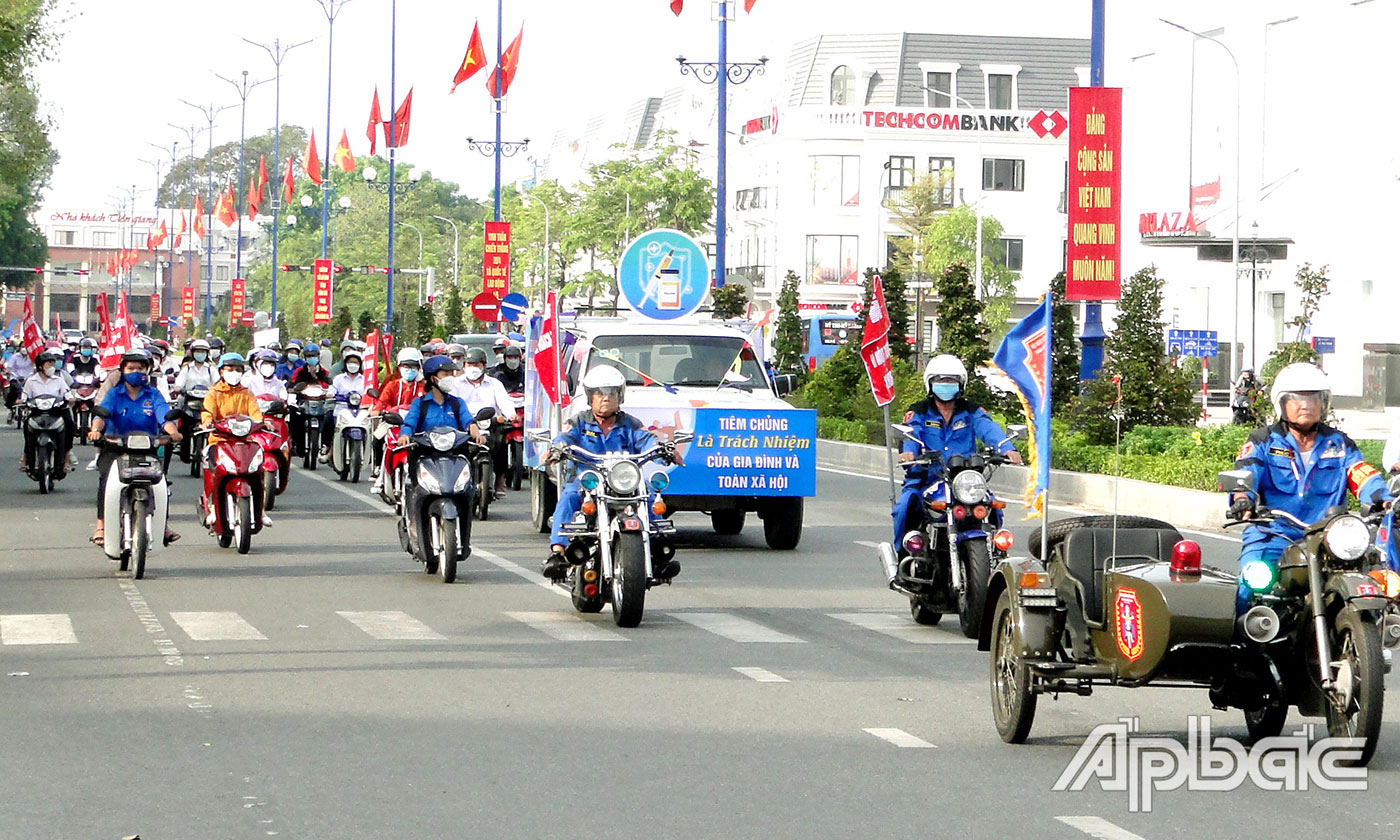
(545, 205)
(209, 112)
(331, 8)
(393, 144)
(454, 245)
(244, 87)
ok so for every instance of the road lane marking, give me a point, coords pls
(902, 628)
(52, 629)
(391, 625)
(566, 628)
(1099, 828)
(736, 629)
(866, 543)
(900, 738)
(761, 675)
(216, 627)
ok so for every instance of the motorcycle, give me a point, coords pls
(1242, 405)
(961, 517)
(394, 468)
(613, 542)
(84, 397)
(484, 467)
(136, 496)
(43, 418)
(515, 443)
(311, 405)
(275, 440)
(434, 512)
(11, 389)
(236, 501)
(347, 454)
(189, 406)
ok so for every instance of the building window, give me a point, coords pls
(942, 168)
(938, 90)
(1008, 253)
(831, 260)
(754, 199)
(999, 92)
(901, 172)
(104, 238)
(65, 237)
(222, 273)
(843, 86)
(835, 181)
(1003, 174)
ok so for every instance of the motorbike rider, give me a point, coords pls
(601, 428)
(478, 391)
(261, 378)
(946, 423)
(291, 361)
(310, 373)
(50, 380)
(347, 347)
(350, 381)
(511, 371)
(137, 406)
(18, 367)
(405, 387)
(86, 361)
(226, 399)
(199, 367)
(1242, 396)
(1300, 465)
(438, 406)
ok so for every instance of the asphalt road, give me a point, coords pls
(324, 687)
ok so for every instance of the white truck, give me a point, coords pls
(752, 452)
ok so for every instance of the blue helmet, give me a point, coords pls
(232, 359)
(436, 364)
(311, 351)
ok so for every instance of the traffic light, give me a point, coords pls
(285, 267)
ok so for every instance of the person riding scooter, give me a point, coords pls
(291, 361)
(1301, 466)
(50, 380)
(510, 372)
(310, 373)
(85, 361)
(350, 381)
(199, 368)
(479, 391)
(946, 423)
(227, 398)
(403, 389)
(600, 428)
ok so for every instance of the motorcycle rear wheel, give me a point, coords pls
(269, 492)
(1013, 702)
(517, 465)
(140, 537)
(629, 580)
(1357, 644)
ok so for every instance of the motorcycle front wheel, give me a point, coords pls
(1013, 702)
(485, 491)
(629, 579)
(356, 460)
(447, 529)
(44, 469)
(972, 602)
(1356, 643)
(243, 524)
(140, 537)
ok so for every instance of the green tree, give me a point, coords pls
(453, 317)
(961, 332)
(27, 37)
(1064, 361)
(1155, 391)
(897, 307)
(787, 335)
(189, 177)
(365, 324)
(425, 324)
(340, 323)
(729, 301)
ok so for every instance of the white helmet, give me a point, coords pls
(409, 354)
(1300, 378)
(605, 376)
(944, 365)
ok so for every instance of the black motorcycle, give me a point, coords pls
(312, 404)
(435, 511)
(43, 423)
(188, 408)
(84, 398)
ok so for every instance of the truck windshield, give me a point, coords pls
(700, 361)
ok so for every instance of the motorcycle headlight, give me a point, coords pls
(1257, 575)
(624, 478)
(969, 487)
(44, 403)
(354, 400)
(589, 480)
(138, 442)
(659, 481)
(427, 480)
(441, 441)
(240, 428)
(1347, 538)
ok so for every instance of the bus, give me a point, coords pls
(823, 332)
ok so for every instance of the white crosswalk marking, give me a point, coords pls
(391, 624)
(760, 675)
(51, 629)
(566, 628)
(1099, 828)
(900, 738)
(736, 629)
(902, 628)
(216, 627)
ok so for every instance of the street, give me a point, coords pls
(325, 687)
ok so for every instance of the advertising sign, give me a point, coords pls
(664, 275)
(322, 275)
(155, 308)
(738, 451)
(1095, 205)
(495, 261)
(237, 297)
(187, 303)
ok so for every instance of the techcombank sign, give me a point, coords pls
(1042, 123)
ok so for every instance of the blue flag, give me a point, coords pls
(1024, 358)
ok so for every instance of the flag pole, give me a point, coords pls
(1045, 431)
(889, 452)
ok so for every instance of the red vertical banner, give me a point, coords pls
(1095, 203)
(187, 303)
(29, 331)
(371, 360)
(237, 299)
(322, 275)
(495, 263)
(104, 321)
(546, 355)
(155, 308)
(875, 347)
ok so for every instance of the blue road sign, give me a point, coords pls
(664, 275)
(1325, 343)
(1198, 343)
(512, 305)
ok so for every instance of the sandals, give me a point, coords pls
(171, 537)
(96, 539)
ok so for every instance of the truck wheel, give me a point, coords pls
(782, 523)
(728, 522)
(543, 498)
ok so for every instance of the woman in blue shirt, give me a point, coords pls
(136, 406)
(438, 406)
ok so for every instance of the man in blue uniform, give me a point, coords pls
(947, 424)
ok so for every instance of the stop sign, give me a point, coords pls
(247, 319)
(486, 307)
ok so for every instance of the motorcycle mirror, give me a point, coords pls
(1019, 432)
(372, 392)
(903, 429)
(101, 411)
(393, 418)
(539, 435)
(1231, 481)
(1393, 485)
(486, 413)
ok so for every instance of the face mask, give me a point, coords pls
(233, 377)
(512, 363)
(312, 363)
(267, 370)
(473, 373)
(352, 367)
(292, 357)
(946, 391)
(136, 379)
(87, 352)
(409, 374)
(49, 370)
(442, 383)
(200, 355)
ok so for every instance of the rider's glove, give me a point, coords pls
(1241, 506)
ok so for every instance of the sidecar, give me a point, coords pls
(1127, 606)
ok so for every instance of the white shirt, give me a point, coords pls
(194, 374)
(21, 367)
(259, 385)
(345, 384)
(50, 386)
(486, 391)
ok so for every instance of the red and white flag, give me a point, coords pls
(32, 337)
(546, 355)
(371, 360)
(104, 321)
(122, 338)
(875, 347)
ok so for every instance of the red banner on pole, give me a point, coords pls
(875, 347)
(495, 263)
(155, 308)
(237, 297)
(322, 274)
(32, 337)
(187, 303)
(370, 363)
(104, 321)
(546, 355)
(1095, 206)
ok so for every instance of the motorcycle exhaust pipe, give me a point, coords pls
(1390, 631)
(888, 563)
(1260, 624)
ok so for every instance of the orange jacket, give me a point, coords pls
(226, 400)
(397, 392)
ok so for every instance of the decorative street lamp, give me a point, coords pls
(371, 176)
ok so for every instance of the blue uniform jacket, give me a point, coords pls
(286, 370)
(626, 435)
(969, 424)
(1284, 483)
(146, 413)
(426, 413)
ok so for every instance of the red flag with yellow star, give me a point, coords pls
(262, 177)
(676, 6)
(343, 157)
(375, 118)
(505, 71)
(223, 208)
(253, 198)
(402, 116)
(199, 216)
(475, 60)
